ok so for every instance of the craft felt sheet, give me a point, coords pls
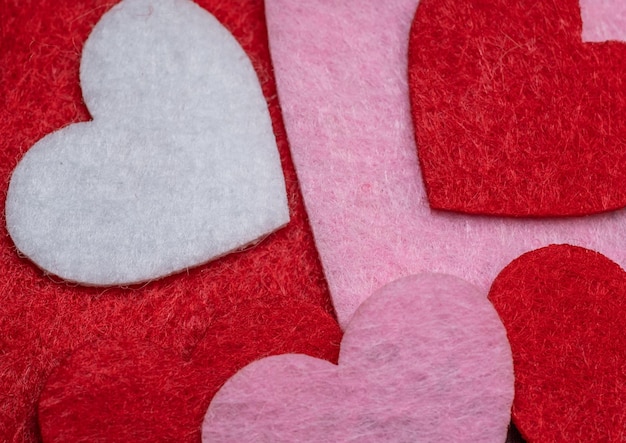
(341, 72)
(246, 305)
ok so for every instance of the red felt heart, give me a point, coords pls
(122, 391)
(513, 113)
(563, 308)
(42, 320)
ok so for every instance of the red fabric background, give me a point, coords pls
(242, 307)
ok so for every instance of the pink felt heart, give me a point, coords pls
(424, 359)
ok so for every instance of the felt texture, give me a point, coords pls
(342, 82)
(515, 115)
(236, 301)
(603, 20)
(424, 359)
(563, 309)
(179, 165)
(120, 391)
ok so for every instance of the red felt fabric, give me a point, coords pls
(563, 308)
(513, 114)
(137, 391)
(244, 306)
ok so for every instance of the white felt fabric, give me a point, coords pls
(179, 165)
(425, 359)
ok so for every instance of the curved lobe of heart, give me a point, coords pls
(514, 114)
(424, 359)
(179, 165)
(563, 309)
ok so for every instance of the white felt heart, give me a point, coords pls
(425, 359)
(179, 165)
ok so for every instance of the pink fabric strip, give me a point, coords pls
(341, 69)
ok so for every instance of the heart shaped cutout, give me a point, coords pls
(424, 359)
(179, 165)
(515, 115)
(137, 390)
(563, 309)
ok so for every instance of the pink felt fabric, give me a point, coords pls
(424, 359)
(603, 20)
(341, 69)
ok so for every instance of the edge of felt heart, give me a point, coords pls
(178, 167)
(563, 308)
(515, 115)
(425, 358)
